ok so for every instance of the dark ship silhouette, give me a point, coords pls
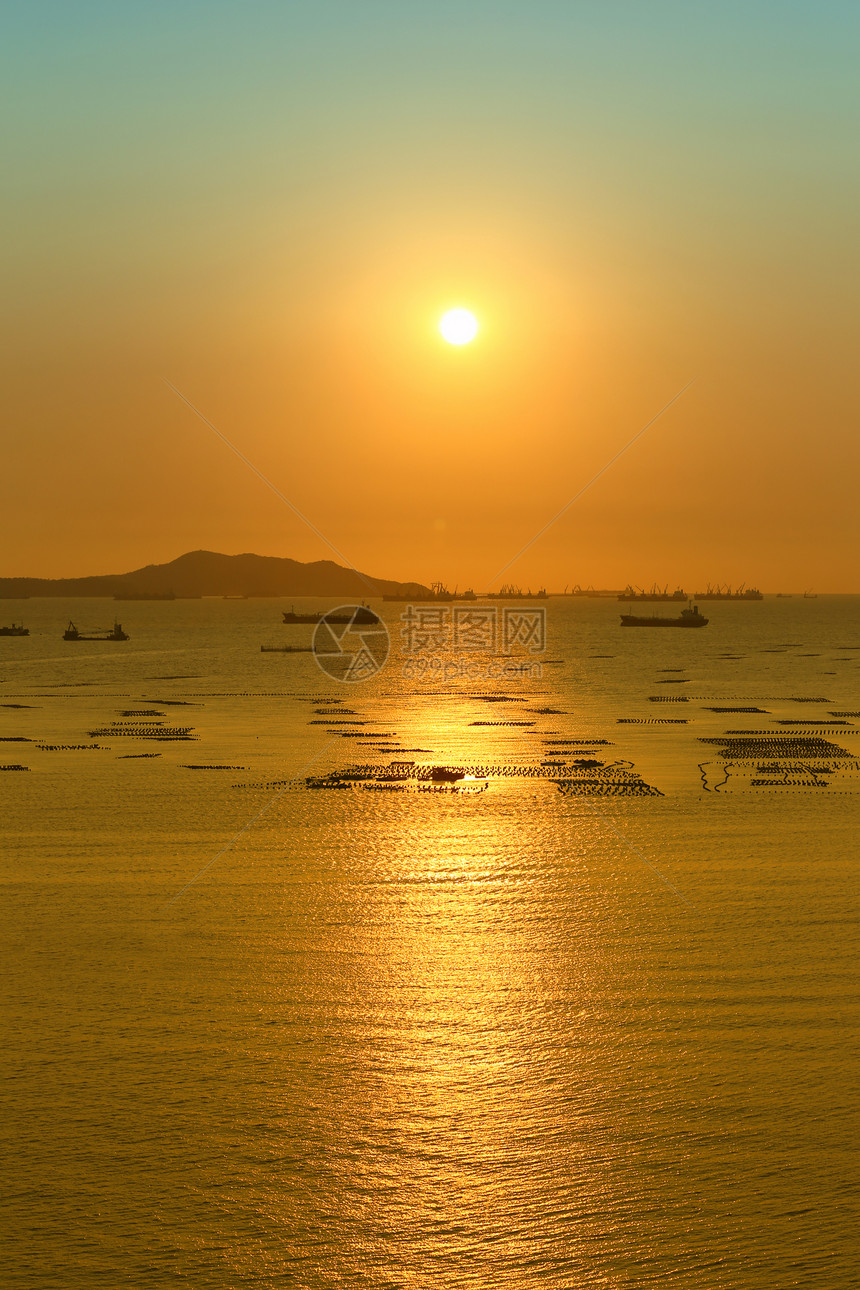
(72, 634)
(689, 618)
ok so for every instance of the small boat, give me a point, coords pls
(72, 634)
(286, 649)
(690, 617)
(362, 616)
(17, 629)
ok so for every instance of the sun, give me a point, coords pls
(458, 326)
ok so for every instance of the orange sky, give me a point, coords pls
(272, 209)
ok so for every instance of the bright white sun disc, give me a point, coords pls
(458, 326)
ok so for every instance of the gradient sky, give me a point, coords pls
(270, 205)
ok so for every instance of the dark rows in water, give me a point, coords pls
(668, 698)
(754, 698)
(577, 743)
(65, 747)
(652, 721)
(615, 778)
(813, 721)
(201, 766)
(174, 703)
(141, 712)
(268, 784)
(598, 788)
(758, 746)
(236, 694)
(15, 739)
(12, 766)
(802, 768)
(502, 723)
(458, 787)
(790, 782)
(762, 710)
(802, 728)
(362, 734)
(163, 733)
(332, 721)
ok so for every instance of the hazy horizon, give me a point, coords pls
(385, 575)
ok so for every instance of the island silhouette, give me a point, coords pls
(209, 573)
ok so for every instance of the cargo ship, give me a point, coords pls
(509, 592)
(726, 593)
(16, 629)
(438, 594)
(689, 618)
(72, 634)
(655, 594)
(362, 616)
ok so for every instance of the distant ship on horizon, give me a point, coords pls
(631, 593)
(726, 593)
(439, 594)
(363, 616)
(508, 591)
(689, 618)
(72, 634)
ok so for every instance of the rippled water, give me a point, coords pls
(521, 1037)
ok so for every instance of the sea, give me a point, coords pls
(521, 954)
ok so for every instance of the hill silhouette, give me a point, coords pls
(208, 573)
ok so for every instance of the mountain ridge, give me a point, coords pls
(211, 573)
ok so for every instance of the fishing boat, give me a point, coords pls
(72, 634)
(16, 629)
(690, 617)
(362, 616)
